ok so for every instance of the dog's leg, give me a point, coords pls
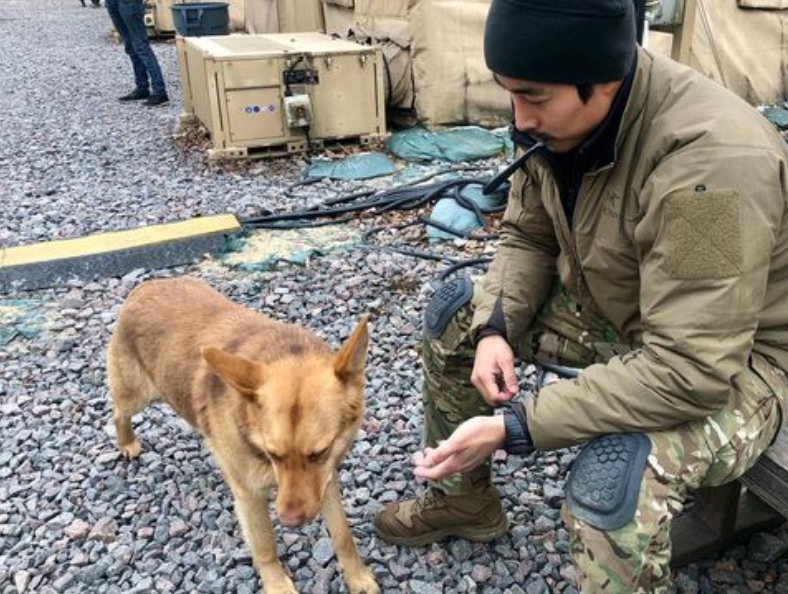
(358, 577)
(252, 512)
(130, 391)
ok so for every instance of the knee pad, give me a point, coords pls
(445, 302)
(604, 483)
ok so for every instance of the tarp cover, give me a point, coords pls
(363, 166)
(465, 143)
(742, 44)
(19, 317)
(280, 16)
(449, 212)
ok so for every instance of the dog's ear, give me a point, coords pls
(350, 359)
(238, 372)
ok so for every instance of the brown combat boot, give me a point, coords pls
(434, 516)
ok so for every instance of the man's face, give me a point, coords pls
(555, 113)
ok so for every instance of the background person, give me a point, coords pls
(646, 242)
(128, 18)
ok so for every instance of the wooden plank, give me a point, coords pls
(768, 479)
(778, 452)
(720, 516)
(707, 525)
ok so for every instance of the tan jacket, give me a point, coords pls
(682, 245)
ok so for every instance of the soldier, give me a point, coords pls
(646, 241)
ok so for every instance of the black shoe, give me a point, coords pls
(156, 100)
(135, 95)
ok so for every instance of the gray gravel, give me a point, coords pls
(74, 517)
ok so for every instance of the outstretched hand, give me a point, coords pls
(493, 370)
(470, 444)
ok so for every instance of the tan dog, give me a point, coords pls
(273, 402)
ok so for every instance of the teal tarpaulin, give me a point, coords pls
(466, 143)
(777, 116)
(450, 213)
(19, 317)
(363, 166)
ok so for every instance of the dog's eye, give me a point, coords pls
(316, 457)
(275, 457)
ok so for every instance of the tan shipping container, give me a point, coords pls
(266, 95)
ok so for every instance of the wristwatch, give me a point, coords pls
(518, 439)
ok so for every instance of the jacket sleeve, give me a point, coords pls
(704, 244)
(523, 271)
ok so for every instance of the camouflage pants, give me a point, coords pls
(716, 450)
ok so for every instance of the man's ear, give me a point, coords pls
(350, 359)
(241, 374)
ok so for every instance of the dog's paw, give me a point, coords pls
(362, 582)
(130, 450)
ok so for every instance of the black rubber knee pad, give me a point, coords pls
(604, 484)
(445, 302)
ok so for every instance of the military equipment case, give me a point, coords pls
(237, 87)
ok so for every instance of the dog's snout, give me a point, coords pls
(293, 520)
(293, 514)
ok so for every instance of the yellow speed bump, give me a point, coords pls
(113, 254)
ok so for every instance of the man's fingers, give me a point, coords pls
(438, 471)
(491, 387)
(434, 457)
(511, 385)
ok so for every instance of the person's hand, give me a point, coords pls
(493, 370)
(470, 444)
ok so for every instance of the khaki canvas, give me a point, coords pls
(452, 82)
(742, 45)
(281, 16)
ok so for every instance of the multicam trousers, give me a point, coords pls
(716, 450)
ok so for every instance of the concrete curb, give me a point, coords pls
(53, 263)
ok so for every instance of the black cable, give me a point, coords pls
(366, 235)
(477, 262)
(413, 182)
(308, 141)
(409, 196)
(289, 72)
(406, 198)
(496, 182)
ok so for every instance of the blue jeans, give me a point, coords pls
(128, 17)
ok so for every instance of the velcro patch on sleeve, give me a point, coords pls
(703, 234)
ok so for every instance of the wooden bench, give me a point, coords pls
(757, 502)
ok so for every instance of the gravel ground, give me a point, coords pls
(74, 518)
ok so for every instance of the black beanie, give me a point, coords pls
(560, 41)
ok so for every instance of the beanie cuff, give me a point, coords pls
(560, 41)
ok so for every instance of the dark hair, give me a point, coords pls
(585, 92)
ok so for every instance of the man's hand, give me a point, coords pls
(470, 444)
(493, 370)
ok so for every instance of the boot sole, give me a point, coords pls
(472, 534)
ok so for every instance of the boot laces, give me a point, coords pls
(431, 499)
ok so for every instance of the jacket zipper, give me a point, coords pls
(567, 233)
